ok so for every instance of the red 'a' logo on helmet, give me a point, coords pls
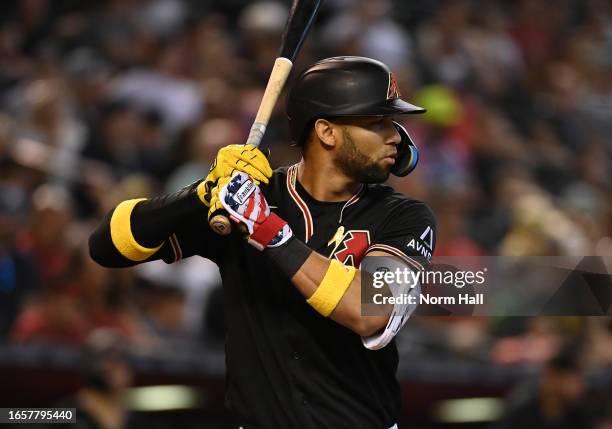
(393, 90)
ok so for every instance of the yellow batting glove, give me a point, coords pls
(236, 157)
(215, 204)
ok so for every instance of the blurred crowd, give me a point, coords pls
(107, 100)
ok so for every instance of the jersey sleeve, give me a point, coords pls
(409, 232)
(169, 228)
(410, 235)
(193, 237)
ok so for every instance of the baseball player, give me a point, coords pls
(299, 353)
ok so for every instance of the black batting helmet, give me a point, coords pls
(350, 86)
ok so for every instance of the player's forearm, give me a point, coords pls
(348, 311)
(309, 271)
(153, 220)
(136, 230)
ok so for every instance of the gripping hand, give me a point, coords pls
(230, 159)
(246, 204)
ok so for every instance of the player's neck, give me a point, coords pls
(324, 182)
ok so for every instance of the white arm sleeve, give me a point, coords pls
(402, 310)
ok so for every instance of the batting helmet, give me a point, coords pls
(350, 86)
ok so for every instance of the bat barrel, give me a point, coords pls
(301, 17)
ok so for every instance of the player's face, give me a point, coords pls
(368, 148)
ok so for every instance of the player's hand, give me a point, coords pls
(213, 196)
(246, 204)
(236, 157)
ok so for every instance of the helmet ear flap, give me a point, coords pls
(407, 153)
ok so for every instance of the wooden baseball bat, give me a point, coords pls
(301, 17)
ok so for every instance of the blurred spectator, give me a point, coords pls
(192, 283)
(261, 24)
(605, 423)
(556, 402)
(47, 238)
(99, 402)
(18, 274)
(47, 119)
(540, 342)
(88, 301)
(366, 27)
(453, 238)
(53, 317)
(440, 43)
(166, 88)
(153, 150)
(163, 314)
(89, 75)
(446, 159)
(203, 142)
(598, 353)
(115, 139)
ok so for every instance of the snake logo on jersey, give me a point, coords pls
(350, 246)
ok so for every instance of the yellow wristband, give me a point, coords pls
(121, 233)
(336, 281)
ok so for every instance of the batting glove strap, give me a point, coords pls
(290, 256)
(272, 232)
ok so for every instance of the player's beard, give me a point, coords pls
(356, 165)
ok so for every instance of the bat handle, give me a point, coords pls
(258, 129)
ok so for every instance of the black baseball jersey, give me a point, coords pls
(288, 366)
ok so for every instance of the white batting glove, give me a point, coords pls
(245, 203)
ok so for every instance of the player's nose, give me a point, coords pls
(393, 136)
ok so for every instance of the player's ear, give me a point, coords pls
(324, 130)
